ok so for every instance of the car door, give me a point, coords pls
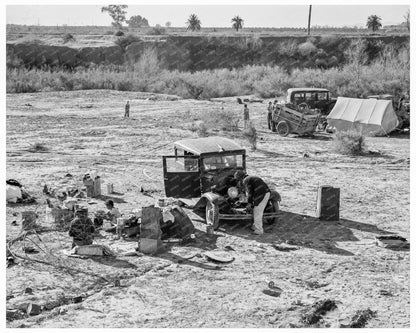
(182, 176)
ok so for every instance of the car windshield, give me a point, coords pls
(222, 162)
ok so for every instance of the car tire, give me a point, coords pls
(283, 128)
(212, 214)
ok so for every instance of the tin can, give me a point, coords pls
(109, 188)
(161, 202)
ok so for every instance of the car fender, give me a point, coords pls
(208, 196)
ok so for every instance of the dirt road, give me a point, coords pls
(84, 130)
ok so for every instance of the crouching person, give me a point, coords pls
(81, 228)
(258, 194)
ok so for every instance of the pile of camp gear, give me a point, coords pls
(92, 183)
(16, 193)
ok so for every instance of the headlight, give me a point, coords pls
(232, 192)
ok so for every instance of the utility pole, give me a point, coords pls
(309, 20)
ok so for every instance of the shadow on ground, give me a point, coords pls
(190, 251)
(304, 231)
(115, 199)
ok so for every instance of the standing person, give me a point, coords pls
(127, 110)
(246, 116)
(81, 228)
(269, 115)
(258, 194)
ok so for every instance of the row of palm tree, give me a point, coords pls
(194, 23)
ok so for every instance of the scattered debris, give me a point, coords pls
(392, 242)
(317, 310)
(14, 314)
(29, 249)
(360, 319)
(274, 293)
(28, 290)
(33, 309)
(315, 284)
(285, 247)
(92, 250)
(385, 292)
(219, 256)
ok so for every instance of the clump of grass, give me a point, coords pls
(349, 142)
(202, 130)
(157, 30)
(38, 148)
(250, 133)
(225, 120)
(119, 33)
(68, 38)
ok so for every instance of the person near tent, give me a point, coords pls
(246, 116)
(127, 110)
(258, 194)
(269, 114)
(81, 228)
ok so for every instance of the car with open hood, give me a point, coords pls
(201, 171)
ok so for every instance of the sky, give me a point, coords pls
(210, 15)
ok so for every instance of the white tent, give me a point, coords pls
(372, 117)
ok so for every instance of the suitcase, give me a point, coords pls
(328, 203)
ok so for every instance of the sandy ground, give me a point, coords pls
(341, 261)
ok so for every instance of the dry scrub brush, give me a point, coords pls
(389, 73)
(349, 142)
(250, 133)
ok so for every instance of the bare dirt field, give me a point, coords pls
(339, 261)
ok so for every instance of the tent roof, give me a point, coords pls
(366, 111)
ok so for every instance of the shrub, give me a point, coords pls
(349, 142)
(157, 30)
(202, 130)
(288, 48)
(119, 33)
(38, 147)
(250, 133)
(226, 120)
(306, 49)
(125, 41)
(68, 38)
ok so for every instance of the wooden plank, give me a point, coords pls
(245, 216)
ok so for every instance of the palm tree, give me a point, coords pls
(193, 23)
(407, 20)
(373, 22)
(237, 22)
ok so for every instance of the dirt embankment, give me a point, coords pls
(200, 52)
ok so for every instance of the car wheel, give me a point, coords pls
(273, 208)
(283, 128)
(212, 214)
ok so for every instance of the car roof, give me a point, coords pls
(213, 144)
(289, 91)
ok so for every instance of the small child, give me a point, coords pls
(113, 213)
